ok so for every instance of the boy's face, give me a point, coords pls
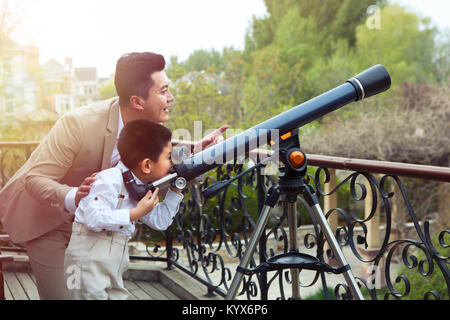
(163, 165)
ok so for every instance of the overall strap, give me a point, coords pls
(122, 194)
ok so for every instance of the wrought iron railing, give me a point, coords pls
(395, 248)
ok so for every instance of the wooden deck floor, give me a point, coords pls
(22, 286)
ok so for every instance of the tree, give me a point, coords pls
(404, 44)
(200, 60)
(175, 69)
(441, 59)
(198, 97)
(107, 90)
(270, 86)
(7, 21)
(333, 19)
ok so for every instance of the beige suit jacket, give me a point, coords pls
(80, 143)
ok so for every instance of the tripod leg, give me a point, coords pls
(292, 219)
(334, 245)
(259, 228)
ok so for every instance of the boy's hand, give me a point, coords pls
(145, 205)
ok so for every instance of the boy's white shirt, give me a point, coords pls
(97, 211)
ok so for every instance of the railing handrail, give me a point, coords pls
(384, 167)
(18, 144)
(419, 171)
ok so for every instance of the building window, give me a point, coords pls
(9, 107)
(7, 67)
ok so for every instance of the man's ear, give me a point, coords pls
(137, 103)
(146, 165)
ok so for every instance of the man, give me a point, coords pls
(38, 202)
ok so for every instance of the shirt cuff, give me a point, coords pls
(173, 200)
(122, 219)
(69, 201)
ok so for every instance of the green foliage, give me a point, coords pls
(420, 284)
(25, 129)
(330, 20)
(175, 69)
(201, 60)
(107, 90)
(199, 98)
(404, 44)
(320, 295)
(300, 50)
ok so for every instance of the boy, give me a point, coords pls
(104, 220)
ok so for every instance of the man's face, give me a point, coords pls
(156, 107)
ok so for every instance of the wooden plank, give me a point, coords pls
(151, 290)
(129, 286)
(28, 285)
(33, 278)
(8, 295)
(136, 291)
(169, 294)
(14, 286)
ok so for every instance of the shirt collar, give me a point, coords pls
(120, 126)
(124, 168)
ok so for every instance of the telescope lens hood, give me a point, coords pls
(371, 82)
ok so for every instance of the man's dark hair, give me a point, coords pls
(140, 139)
(133, 74)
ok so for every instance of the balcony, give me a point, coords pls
(391, 242)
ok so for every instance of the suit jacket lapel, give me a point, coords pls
(111, 134)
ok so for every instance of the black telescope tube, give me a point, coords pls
(369, 82)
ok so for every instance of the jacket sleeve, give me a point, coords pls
(54, 157)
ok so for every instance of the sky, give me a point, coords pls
(95, 33)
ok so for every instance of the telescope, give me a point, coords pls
(281, 132)
(370, 82)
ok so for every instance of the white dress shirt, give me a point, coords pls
(69, 201)
(97, 211)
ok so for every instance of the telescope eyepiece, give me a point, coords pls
(371, 82)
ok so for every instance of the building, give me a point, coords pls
(19, 78)
(66, 88)
(25, 86)
(56, 86)
(84, 86)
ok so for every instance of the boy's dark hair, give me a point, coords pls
(140, 139)
(133, 74)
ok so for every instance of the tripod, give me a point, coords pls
(292, 183)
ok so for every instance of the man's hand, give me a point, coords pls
(211, 139)
(84, 188)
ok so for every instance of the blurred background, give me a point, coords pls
(239, 63)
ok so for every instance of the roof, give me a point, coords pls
(85, 74)
(53, 69)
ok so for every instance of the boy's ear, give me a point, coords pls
(136, 103)
(146, 166)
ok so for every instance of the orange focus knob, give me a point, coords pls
(296, 158)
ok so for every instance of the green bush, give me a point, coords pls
(320, 295)
(419, 284)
